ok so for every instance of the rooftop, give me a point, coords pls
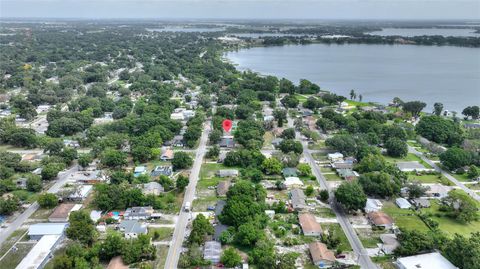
(320, 252)
(47, 228)
(37, 255)
(309, 223)
(432, 260)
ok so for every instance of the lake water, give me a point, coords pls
(450, 75)
(409, 32)
(186, 29)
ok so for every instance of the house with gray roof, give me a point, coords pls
(162, 170)
(297, 198)
(152, 188)
(289, 172)
(138, 212)
(212, 251)
(227, 173)
(132, 228)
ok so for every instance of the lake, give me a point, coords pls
(185, 29)
(450, 75)
(409, 32)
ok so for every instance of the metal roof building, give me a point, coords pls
(432, 260)
(38, 255)
(36, 231)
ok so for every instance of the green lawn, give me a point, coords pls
(409, 158)
(162, 252)
(324, 212)
(332, 177)
(404, 218)
(337, 229)
(450, 225)
(201, 203)
(356, 103)
(164, 233)
(209, 169)
(268, 137)
(13, 258)
(461, 177)
(204, 183)
(11, 240)
(429, 179)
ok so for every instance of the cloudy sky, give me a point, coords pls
(243, 9)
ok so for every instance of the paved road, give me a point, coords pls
(62, 178)
(447, 175)
(363, 259)
(179, 234)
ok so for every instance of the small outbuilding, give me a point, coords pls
(403, 203)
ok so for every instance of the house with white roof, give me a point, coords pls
(36, 231)
(432, 260)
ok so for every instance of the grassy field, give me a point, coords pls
(409, 158)
(450, 225)
(164, 233)
(268, 137)
(404, 218)
(209, 169)
(201, 203)
(429, 179)
(324, 212)
(11, 240)
(13, 258)
(332, 177)
(337, 229)
(162, 252)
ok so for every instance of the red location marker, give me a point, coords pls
(227, 125)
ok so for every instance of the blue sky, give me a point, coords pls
(244, 9)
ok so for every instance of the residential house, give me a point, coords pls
(403, 203)
(322, 257)
(222, 187)
(380, 219)
(152, 188)
(138, 212)
(227, 173)
(289, 172)
(21, 183)
(291, 182)
(347, 174)
(177, 141)
(421, 203)
(71, 143)
(117, 263)
(80, 193)
(297, 198)
(389, 243)
(309, 224)
(132, 228)
(95, 215)
(373, 205)
(62, 212)
(342, 165)
(276, 142)
(167, 155)
(36, 231)
(139, 170)
(471, 125)
(212, 251)
(41, 252)
(437, 190)
(335, 157)
(162, 170)
(432, 260)
(227, 142)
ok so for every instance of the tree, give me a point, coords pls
(309, 190)
(213, 152)
(81, 227)
(396, 147)
(414, 107)
(248, 234)
(463, 252)
(34, 183)
(461, 206)
(325, 124)
(50, 170)
(473, 172)
(343, 143)
(471, 111)
(47, 200)
(280, 116)
(111, 247)
(201, 227)
(324, 195)
(351, 196)
(416, 190)
(370, 163)
(113, 158)
(230, 258)
(181, 160)
(253, 174)
(437, 109)
(413, 242)
(263, 254)
(304, 169)
(288, 133)
(380, 184)
(353, 95)
(290, 101)
(455, 158)
(290, 145)
(272, 166)
(215, 136)
(8, 205)
(182, 182)
(84, 160)
(439, 130)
